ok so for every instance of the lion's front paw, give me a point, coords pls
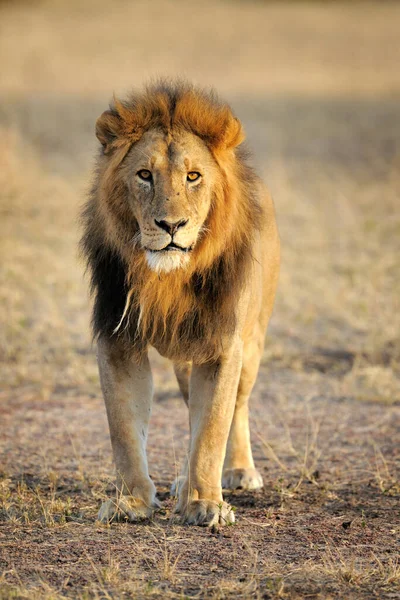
(207, 513)
(245, 479)
(126, 508)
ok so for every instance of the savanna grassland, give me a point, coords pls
(317, 87)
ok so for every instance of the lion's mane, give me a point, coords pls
(189, 313)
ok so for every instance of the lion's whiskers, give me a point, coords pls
(136, 239)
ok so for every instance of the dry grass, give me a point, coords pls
(316, 85)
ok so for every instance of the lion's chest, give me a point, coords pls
(195, 338)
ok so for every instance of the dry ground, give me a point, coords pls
(317, 87)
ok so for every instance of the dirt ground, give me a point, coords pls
(316, 85)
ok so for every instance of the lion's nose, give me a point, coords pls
(169, 227)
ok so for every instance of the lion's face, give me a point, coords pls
(170, 179)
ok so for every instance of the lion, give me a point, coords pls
(181, 241)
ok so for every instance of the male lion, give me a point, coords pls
(183, 249)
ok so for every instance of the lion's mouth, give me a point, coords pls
(172, 247)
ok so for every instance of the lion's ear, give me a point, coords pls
(108, 129)
(234, 133)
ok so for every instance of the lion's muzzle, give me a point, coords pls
(171, 227)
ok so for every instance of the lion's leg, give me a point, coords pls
(127, 389)
(213, 389)
(182, 372)
(239, 470)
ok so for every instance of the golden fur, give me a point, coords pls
(188, 265)
(164, 311)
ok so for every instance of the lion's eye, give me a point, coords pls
(193, 176)
(145, 175)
